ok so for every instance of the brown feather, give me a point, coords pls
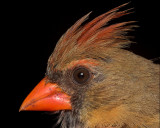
(94, 36)
(124, 89)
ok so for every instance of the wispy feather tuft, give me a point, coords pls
(95, 35)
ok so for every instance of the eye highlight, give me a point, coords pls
(81, 75)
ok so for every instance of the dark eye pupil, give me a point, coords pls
(81, 75)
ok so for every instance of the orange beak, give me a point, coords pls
(46, 97)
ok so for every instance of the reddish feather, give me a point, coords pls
(99, 22)
(96, 36)
(110, 31)
(90, 28)
(97, 19)
(70, 32)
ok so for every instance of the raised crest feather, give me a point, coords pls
(97, 34)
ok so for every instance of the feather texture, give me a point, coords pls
(124, 89)
(95, 35)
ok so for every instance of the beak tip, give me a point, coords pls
(21, 108)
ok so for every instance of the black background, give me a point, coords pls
(31, 31)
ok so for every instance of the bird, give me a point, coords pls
(94, 82)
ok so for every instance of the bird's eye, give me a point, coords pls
(81, 75)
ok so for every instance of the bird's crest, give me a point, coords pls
(94, 37)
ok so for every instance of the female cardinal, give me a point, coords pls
(94, 82)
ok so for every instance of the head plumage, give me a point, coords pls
(93, 37)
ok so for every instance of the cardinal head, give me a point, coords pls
(94, 82)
